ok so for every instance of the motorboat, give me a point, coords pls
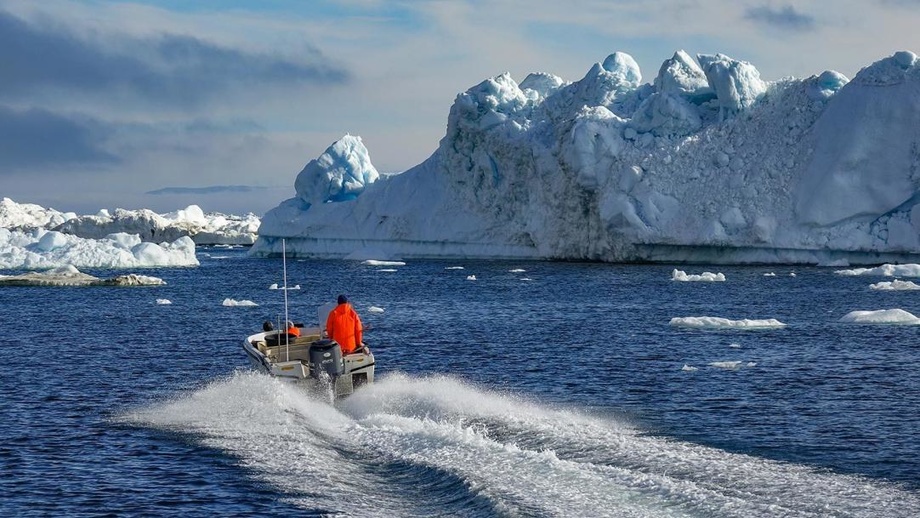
(308, 355)
(310, 358)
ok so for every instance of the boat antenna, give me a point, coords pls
(287, 337)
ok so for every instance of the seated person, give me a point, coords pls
(292, 330)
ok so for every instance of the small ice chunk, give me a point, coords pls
(724, 323)
(233, 302)
(680, 275)
(895, 285)
(881, 316)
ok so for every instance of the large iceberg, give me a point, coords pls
(708, 163)
(211, 228)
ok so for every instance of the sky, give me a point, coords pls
(165, 103)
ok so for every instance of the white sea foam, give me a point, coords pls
(895, 285)
(387, 270)
(453, 268)
(232, 302)
(517, 270)
(887, 270)
(730, 365)
(881, 316)
(525, 458)
(724, 323)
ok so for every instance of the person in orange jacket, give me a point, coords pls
(344, 326)
(292, 330)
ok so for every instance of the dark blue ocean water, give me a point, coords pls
(564, 394)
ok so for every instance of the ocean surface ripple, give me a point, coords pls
(568, 394)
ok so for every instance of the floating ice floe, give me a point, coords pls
(517, 270)
(387, 270)
(887, 270)
(377, 262)
(231, 303)
(164, 302)
(680, 275)
(881, 316)
(769, 274)
(275, 286)
(724, 323)
(42, 249)
(687, 368)
(471, 277)
(70, 276)
(734, 345)
(453, 268)
(895, 285)
(374, 309)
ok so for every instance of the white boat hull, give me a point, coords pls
(290, 360)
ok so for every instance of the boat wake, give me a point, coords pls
(438, 446)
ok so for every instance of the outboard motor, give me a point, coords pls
(326, 359)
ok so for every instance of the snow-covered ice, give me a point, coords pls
(203, 228)
(895, 285)
(680, 275)
(234, 303)
(41, 249)
(724, 323)
(378, 262)
(708, 162)
(881, 316)
(887, 270)
(274, 286)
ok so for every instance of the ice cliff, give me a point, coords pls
(708, 163)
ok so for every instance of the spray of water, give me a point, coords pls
(419, 446)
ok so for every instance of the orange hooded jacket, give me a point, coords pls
(344, 326)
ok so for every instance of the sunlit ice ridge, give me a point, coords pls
(707, 163)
